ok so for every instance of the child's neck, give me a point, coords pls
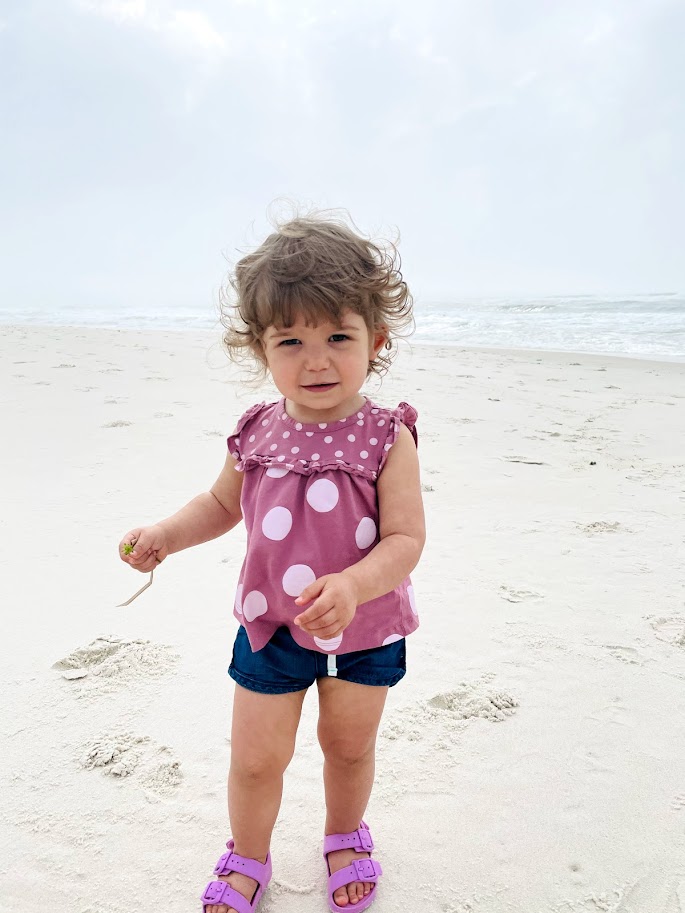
(310, 416)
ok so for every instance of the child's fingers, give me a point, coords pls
(310, 592)
(325, 633)
(315, 610)
(146, 563)
(326, 620)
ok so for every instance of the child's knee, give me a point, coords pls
(258, 766)
(349, 749)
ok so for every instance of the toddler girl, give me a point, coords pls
(328, 484)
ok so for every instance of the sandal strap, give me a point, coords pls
(234, 862)
(220, 892)
(359, 840)
(359, 870)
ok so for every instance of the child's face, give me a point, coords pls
(321, 369)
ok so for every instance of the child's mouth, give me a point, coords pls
(319, 388)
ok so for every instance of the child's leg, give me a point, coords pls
(262, 743)
(349, 715)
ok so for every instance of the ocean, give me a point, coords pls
(646, 326)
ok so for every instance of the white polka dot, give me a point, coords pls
(412, 599)
(239, 599)
(338, 453)
(276, 472)
(286, 434)
(361, 421)
(277, 523)
(365, 534)
(387, 446)
(280, 458)
(360, 415)
(254, 604)
(374, 440)
(315, 456)
(265, 422)
(237, 442)
(374, 412)
(351, 437)
(322, 495)
(309, 433)
(236, 454)
(298, 425)
(251, 438)
(295, 450)
(283, 416)
(328, 439)
(363, 454)
(323, 424)
(269, 433)
(296, 578)
(273, 447)
(391, 639)
(381, 423)
(330, 643)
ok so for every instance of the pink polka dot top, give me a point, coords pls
(310, 508)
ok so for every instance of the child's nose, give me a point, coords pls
(317, 359)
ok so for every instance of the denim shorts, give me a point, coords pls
(283, 665)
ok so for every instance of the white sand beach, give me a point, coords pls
(532, 760)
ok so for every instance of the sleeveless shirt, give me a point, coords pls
(310, 507)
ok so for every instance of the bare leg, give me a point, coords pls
(262, 743)
(349, 715)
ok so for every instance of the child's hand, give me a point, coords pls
(144, 548)
(334, 606)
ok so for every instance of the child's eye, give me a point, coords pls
(339, 337)
(288, 342)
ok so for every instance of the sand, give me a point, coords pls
(532, 760)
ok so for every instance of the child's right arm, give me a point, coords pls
(207, 516)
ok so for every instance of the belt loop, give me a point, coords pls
(332, 668)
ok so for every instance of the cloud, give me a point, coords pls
(185, 30)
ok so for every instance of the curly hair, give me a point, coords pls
(314, 267)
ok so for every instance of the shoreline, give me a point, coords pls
(405, 344)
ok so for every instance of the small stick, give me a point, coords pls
(135, 595)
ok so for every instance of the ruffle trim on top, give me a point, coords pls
(403, 415)
(233, 440)
(305, 467)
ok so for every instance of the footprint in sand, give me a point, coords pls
(511, 595)
(118, 424)
(628, 655)
(470, 701)
(110, 662)
(122, 755)
(447, 712)
(599, 526)
(669, 628)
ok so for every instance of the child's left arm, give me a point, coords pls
(402, 536)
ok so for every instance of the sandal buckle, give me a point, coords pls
(223, 865)
(365, 869)
(214, 892)
(365, 839)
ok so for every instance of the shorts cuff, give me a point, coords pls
(377, 682)
(260, 688)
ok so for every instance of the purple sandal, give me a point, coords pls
(219, 892)
(359, 870)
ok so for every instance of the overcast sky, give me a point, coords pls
(524, 147)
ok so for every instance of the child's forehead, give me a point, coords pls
(348, 318)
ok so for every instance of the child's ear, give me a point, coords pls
(379, 339)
